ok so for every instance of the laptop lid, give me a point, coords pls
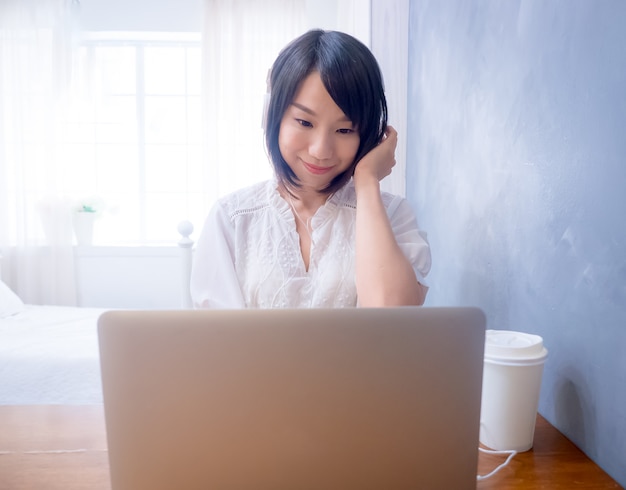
(293, 399)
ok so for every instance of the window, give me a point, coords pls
(132, 136)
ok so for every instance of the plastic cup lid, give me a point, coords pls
(507, 344)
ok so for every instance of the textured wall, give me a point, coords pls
(516, 166)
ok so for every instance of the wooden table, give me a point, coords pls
(554, 463)
(64, 447)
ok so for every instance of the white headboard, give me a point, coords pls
(185, 228)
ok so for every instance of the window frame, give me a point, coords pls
(140, 41)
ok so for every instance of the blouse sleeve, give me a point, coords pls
(214, 282)
(412, 241)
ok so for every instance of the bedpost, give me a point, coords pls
(185, 228)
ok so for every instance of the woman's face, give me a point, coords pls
(316, 138)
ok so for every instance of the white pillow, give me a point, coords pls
(10, 303)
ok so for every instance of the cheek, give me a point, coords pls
(350, 148)
(287, 140)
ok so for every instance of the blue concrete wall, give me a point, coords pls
(517, 170)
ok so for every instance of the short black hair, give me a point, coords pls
(352, 77)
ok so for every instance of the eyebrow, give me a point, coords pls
(313, 113)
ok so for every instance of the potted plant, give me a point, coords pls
(84, 217)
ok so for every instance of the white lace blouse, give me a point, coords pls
(248, 253)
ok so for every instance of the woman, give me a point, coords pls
(321, 234)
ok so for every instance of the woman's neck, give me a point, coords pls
(304, 202)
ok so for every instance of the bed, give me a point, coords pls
(49, 354)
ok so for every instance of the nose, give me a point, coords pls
(321, 145)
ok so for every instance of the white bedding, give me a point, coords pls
(49, 355)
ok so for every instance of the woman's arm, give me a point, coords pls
(384, 276)
(214, 282)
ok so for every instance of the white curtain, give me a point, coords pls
(241, 39)
(35, 218)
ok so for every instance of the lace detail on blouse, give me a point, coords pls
(248, 254)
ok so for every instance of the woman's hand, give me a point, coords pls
(379, 162)
(384, 276)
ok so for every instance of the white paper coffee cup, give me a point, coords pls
(513, 369)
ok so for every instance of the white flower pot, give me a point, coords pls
(83, 227)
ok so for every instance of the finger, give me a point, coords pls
(391, 136)
(390, 131)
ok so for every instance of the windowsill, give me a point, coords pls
(126, 250)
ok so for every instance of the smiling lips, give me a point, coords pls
(314, 169)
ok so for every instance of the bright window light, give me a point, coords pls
(133, 134)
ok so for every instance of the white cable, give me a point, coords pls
(51, 451)
(511, 453)
(478, 477)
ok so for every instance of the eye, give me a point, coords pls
(304, 123)
(345, 131)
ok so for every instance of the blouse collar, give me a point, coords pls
(342, 196)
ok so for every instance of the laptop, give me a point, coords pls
(344, 399)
